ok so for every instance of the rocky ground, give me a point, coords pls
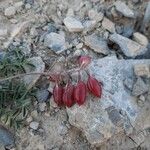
(116, 34)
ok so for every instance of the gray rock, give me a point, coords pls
(55, 42)
(10, 11)
(6, 137)
(122, 8)
(142, 70)
(99, 45)
(108, 25)
(129, 48)
(73, 25)
(42, 106)
(139, 87)
(100, 119)
(42, 96)
(39, 67)
(128, 31)
(140, 38)
(34, 125)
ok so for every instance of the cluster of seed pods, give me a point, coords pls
(71, 94)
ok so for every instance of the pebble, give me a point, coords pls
(42, 106)
(142, 70)
(140, 38)
(70, 12)
(18, 5)
(94, 15)
(99, 45)
(129, 47)
(10, 11)
(122, 8)
(29, 119)
(139, 87)
(42, 95)
(28, 6)
(34, 125)
(128, 31)
(3, 31)
(73, 25)
(56, 42)
(108, 25)
(80, 45)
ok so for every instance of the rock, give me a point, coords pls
(142, 70)
(3, 31)
(42, 106)
(140, 38)
(99, 45)
(122, 8)
(34, 125)
(129, 48)
(10, 11)
(70, 12)
(108, 25)
(55, 42)
(101, 119)
(73, 25)
(39, 67)
(89, 25)
(94, 15)
(139, 87)
(6, 137)
(42, 96)
(18, 5)
(146, 19)
(128, 31)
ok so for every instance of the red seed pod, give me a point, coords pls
(94, 86)
(58, 94)
(80, 93)
(68, 99)
(84, 61)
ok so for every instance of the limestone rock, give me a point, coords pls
(140, 38)
(55, 42)
(10, 11)
(73, 25)
(101, 119)
(39, 67)
(122, 8)
(129, 48)
(139, 87)
(34, 125)
(142, 70)
(108, 25)
(99, 45)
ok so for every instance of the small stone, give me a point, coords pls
(73, 25)
(94, 15)
(129, 48)
(139, 87)
(42, 106)
(39, 66)
(10, 11)
(89, 25)
(29, 119)
(27, 6)
(78, 52)
(128, 82)
(34, 114)
(18, 5)
(99, 45)
(70, 12)
(42, 96)
(128, 31)
(140, 38)
(80, 45)
(142, 70)
(55, 42)
(142, 98)
(3, 31)
(34, 125)
(108, 25)
(122, 8)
